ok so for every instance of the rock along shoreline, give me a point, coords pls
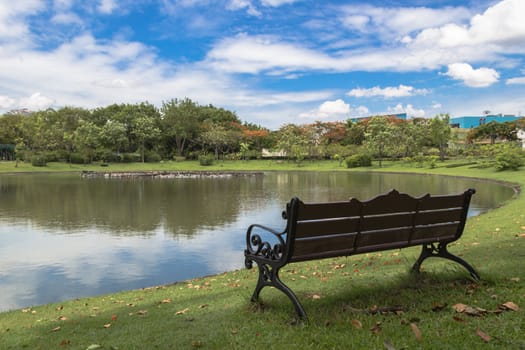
(166, 174)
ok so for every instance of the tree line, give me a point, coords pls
(184, 129)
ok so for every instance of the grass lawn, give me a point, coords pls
(349, 300)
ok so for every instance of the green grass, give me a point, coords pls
(340, 295)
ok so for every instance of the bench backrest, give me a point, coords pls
(388, 221)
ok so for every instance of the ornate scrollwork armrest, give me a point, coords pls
(257, 247)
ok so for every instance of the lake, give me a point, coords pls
(63, 236)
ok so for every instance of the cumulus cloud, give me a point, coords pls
(334, 107)
(387, 92)
(328, 110)
(37, 101)
(6, 102)
(392, 22)
(409, 110)
(481, 77)
(244, 4)
(106, 6)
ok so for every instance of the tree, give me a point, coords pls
(144, 129)
(180, 121)
(87, 138)
(379, 136)
(440, 133)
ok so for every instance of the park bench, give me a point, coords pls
(389, 221)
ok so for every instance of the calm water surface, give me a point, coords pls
(63, 237)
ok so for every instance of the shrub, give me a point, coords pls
(38, 160)
(131, 158)
(206, 159)
(358, 160)
(152, 157)
(510, 158)
(78, 158)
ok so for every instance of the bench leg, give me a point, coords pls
(430, 250)
(269, 276)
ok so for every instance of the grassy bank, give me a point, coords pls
(362, 302)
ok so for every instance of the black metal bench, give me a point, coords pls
(323, 230)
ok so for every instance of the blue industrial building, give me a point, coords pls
(469, 122)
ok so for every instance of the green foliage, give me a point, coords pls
(131, 157)
(38, 160)
(78, 158)
(510, 158)
(358, 160)
(206, 159)
(152, 157)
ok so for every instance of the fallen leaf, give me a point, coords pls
(182, 312)
(509, 305)
(357, 324)
(107, 325)
(94, 346)
(316, 297)
(515, 279)
(62, 318)
(196, 344)
(376, 328)
(203, 306)
(114, 317)
(459, 307)
(142, 312)
(165, 301)
(417, 332)
(438, 306)
(56, 329)
(65, 342)
(388, 345)
(486, 338)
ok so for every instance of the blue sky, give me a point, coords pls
(271, 61)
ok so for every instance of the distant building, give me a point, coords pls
(469, 122)
(402, 116)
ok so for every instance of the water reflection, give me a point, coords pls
(63, 237)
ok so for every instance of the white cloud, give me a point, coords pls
(67, 18)
(481, 77)
(436, 105)
(36, 102)
(388, 92)
(500, 26)
(396, 22)
(6, 102)
(244, 4)
(516, 81)
(277, 3)
(409, 110)
(106, 6)
(334, 107)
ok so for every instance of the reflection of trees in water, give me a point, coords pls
(130, 206)
(185, 206)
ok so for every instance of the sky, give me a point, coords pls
(272, 62)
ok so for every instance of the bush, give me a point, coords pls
(78, 158)
(38, 160)
(358, 160)
(206, 159)
(510, 158)
(152, 157)
(131, 158)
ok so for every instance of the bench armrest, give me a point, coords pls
(261, 249)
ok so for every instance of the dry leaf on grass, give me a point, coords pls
(509, 305)
(182, 312)
(417, 332)
(357, 324)
(486, 338)
(388, 345)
